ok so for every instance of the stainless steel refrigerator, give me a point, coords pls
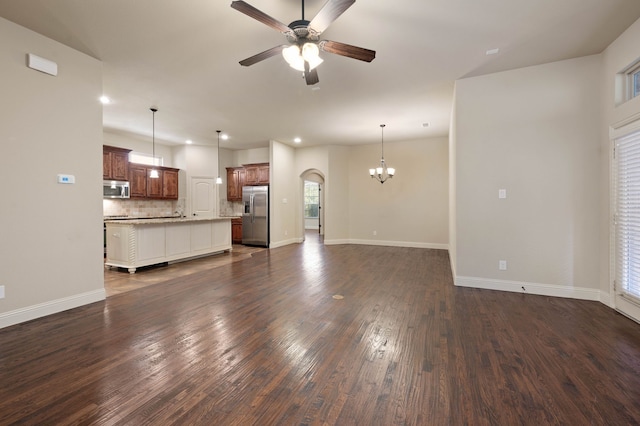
(255, 218)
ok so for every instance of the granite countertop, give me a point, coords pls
(155, 220)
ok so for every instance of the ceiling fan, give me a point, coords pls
(304, 38)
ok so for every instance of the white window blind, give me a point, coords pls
(627, 157)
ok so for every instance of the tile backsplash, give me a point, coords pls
(155, 208)
(230, 208)
(142, 208)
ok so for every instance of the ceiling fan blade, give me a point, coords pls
(310, 76)
(347, 50)
(262, 56)
(329, 13)
(258, 15)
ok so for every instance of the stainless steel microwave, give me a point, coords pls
(115, 189)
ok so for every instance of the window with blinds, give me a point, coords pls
(627, 217)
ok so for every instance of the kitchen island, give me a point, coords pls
(134, 243)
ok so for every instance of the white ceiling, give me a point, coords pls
(182, 56)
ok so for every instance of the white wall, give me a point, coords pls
(409, 210)
(336, 196)
(52, 240)
(140, 144)
(353, 203)
(534, 132)
(283, 195)
(250, 156)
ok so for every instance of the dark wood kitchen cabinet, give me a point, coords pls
(138, 181)
(235, 182)
(256, 174)
(163, 187)
(115, 163)
(236, 230)
(170, 183)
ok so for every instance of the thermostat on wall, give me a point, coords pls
(66, 179)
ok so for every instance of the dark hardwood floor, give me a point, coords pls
(263, 341)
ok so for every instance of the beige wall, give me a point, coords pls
(534, 132)
(411, 209)
(52, 243)
(413, 212)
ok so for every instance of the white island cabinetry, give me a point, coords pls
(142, 242)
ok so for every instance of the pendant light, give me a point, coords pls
(219, 179)
(154, 172)
(382, 172)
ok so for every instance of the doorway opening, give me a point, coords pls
(313, 225)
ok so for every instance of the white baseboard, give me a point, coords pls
(605, 298)
(411, 244)
(285, 242)
(531, 288)
(52, 307)
(335, 242)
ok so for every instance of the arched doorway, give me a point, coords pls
(312, 208)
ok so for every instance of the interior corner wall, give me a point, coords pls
(51, 249)
(409, 210)
(336, 197)
(283, 193)
(535, 133)
(452, 190)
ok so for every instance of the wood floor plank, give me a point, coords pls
(262, 341)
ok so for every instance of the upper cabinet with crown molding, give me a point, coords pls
(115, 163)
(256, 174)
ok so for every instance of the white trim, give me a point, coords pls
(52, 307)
(628, 309)
(285, 242)
(625, 126)
(606, 299)
(410, 244)
(335, 242)
(531, 288)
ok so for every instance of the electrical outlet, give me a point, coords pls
(502, 265)
(286, 232)
(375, 233)
(1, 292)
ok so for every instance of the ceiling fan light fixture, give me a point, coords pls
(311, 54)
(292, 55)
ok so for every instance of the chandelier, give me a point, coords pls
(218, 179)
(154, 172)
(382, 172)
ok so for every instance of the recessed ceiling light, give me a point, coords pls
(492, 51)
(297, 140)
(188, 141)
(224, 137)
(105, 100)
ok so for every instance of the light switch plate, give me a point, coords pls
(502, 193)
